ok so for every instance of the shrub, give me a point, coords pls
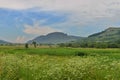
(80, 53)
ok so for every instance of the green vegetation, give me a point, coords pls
(19, 63)
(109, 35)
(86, 44)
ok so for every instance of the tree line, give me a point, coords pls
(92, 44)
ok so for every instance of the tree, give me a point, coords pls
(26, 45)
(69, 45)
(35, 44)
(62, 45)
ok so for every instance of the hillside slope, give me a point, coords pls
(55, 38)
(109, 35)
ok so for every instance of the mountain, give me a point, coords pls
(55, 38)
(4, 42)
(111, 34)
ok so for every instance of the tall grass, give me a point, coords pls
(59, 64)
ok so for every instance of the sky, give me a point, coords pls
(22, 20)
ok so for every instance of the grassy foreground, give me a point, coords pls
(59, 64)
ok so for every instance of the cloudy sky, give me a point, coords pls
(21, 20)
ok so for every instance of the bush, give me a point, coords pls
(80, 54)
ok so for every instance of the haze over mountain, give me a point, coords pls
(55, 38)
(109, 35)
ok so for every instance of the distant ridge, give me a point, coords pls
(55, 38)
(4, 42)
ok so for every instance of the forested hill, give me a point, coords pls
(109, 35)
(55, 38)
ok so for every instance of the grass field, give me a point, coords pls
(18, 63)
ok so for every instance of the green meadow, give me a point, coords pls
(18, 63)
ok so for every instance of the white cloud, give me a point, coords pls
(39, 29)
(20, 39)
(94, 7)
(82, 12)
(86, 8)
